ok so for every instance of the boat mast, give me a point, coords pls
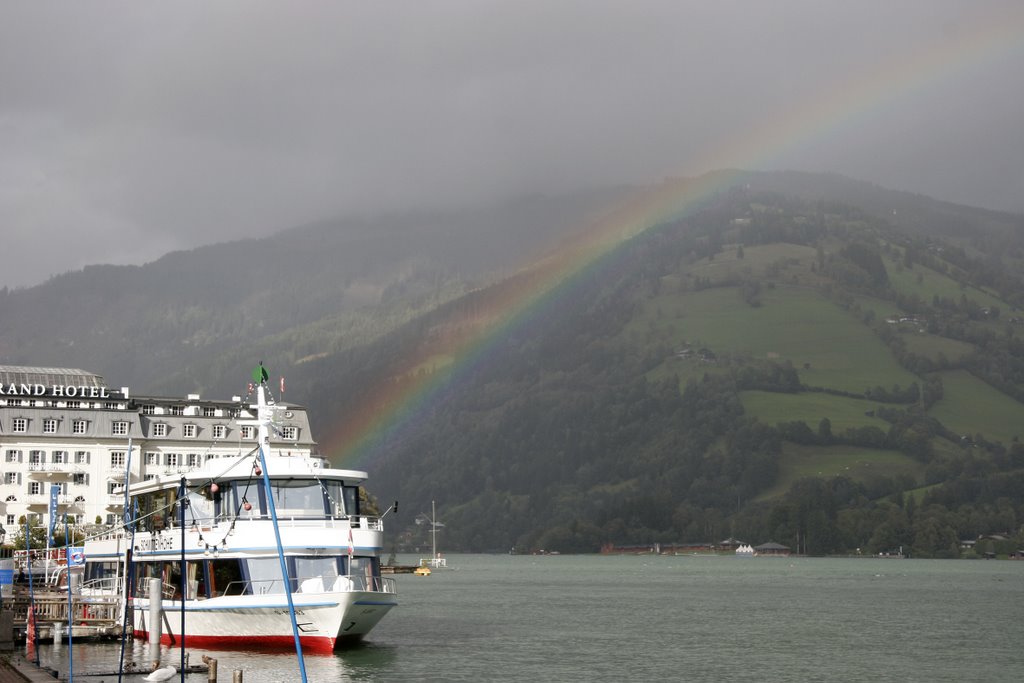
(264, 417)
(433, 531)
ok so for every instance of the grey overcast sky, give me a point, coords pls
(129, 129)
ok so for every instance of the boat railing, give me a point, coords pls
(167, 590)
(108, 585)
(296, 521)
(314, 584)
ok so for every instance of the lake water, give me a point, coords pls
(614, 618)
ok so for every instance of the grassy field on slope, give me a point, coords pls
(927, 283)
(843, 413)
(859, 464)
(970, 406)
(829, 347)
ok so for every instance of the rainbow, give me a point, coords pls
(469, 338)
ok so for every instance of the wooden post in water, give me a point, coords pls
(236, 677)
(211, 669)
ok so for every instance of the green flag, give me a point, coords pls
(259, 374)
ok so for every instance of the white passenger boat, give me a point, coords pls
(234, 590)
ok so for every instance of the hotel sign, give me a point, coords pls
(65, 390)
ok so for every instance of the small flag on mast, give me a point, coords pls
(351, 545)
(282, 385)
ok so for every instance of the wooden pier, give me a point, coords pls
(93, 617)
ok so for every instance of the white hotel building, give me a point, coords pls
(67, 427)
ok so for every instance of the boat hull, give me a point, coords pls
(263, 622)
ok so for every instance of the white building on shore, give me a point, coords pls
(67, 427)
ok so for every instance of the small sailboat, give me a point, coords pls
(435, 561)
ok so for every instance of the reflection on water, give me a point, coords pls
(360, 662)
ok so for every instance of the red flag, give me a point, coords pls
(282, 385)
(351, 546)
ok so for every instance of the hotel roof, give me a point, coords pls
(19, 374)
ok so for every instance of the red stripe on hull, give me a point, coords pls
(315, 644)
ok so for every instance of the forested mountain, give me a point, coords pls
(769, 368)
(182, 323)
(802, 358)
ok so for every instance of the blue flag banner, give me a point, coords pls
(54, 492)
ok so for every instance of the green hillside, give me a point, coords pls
(731, 373)
(972, 407)
(857, 464)
(828, 346)
(812, 407)
(796, 358)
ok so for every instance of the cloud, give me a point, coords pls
(131, 129)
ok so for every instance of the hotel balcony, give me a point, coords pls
(43, 500)
(58, 471)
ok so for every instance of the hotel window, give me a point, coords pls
(149, 409)
(35, 488)
(194, 460)
(49, 426)
(80, 478)
(82, 457)
(59, 457)
(149, 477)
(189, 431)
(160, 429)
(290, 433)
(78, 426)
(13, 456)
(110, 522)
(12, 478)
(110, 405)
(248, 432)
(19, 424)
(10, 520)
(112, 488)
(219, 431)
(177, 410)
(119, 428)
(209, 412)
(152, 458)
(171, 459)
(36, 457)
(74, 404)
(117, 458)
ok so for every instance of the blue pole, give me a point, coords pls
(284, 567)
(182, 503)
(67, 565)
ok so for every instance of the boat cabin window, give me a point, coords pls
(365, 573)
(351, 498)
(95, 571)
(202, 506)
(264, 575)
(157, 510)
(315, 574)
(298, 497)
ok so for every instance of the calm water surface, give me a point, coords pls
(594, 618)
